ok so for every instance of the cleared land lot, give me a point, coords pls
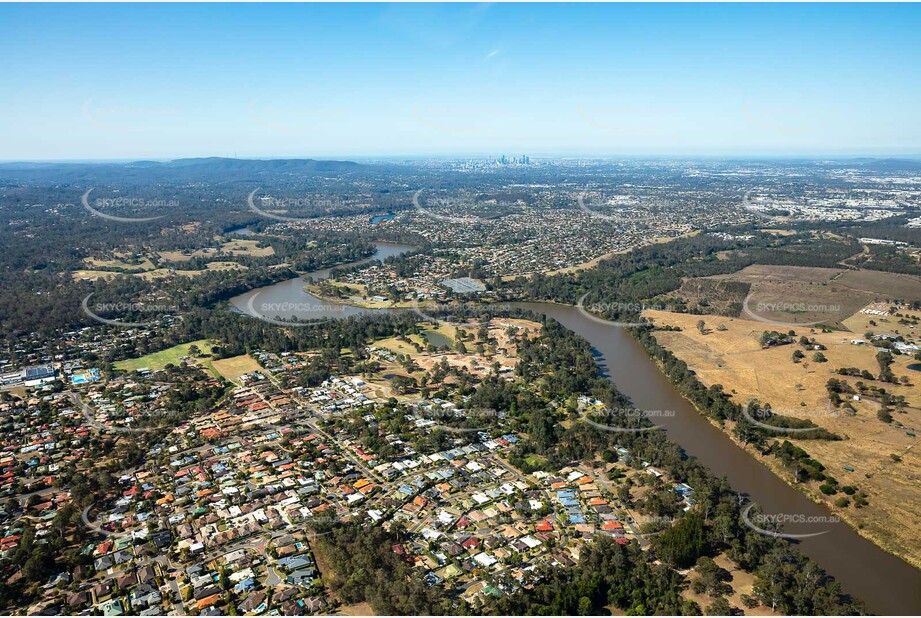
(741, 583)
(231, 247)
(735, 359)
(93, 275)
(800, 294)
(235, 366)
(477, 364)
(123, 262)
(157, 273)
(161, 273)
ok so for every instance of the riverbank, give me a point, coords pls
(290, 299)
(732, 357)
(786, 476)
(886, 583)
(355, 301)
(817, 497)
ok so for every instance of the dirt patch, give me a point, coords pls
(123, 262)
(358, 609)
(741, 582)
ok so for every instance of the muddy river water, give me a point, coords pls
(887, 584)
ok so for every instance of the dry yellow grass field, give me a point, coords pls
(146, 269)
(127, 264)
(157, 273)
(735, 359)
(93, 275)
(235, 366)
(359, 609)
(230, 247)
(162, 273)
(776, 232)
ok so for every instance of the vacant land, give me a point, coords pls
(235, 366)
(93, 275)
(358, 295)
(156, 273)
(159, 360)
(359, 609)
(499, 350)
(718, 296)
(163, 264)
(741, 583)
(801, 295)
(161, 273)
(122, 262)
(728, 352)
(230, 247)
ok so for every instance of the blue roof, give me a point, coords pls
(37, 373)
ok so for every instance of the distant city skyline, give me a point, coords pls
(129, 82)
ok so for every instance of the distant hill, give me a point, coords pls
(263, 165)
(213, 168)
(890, 165)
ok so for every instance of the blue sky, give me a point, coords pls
(162, 81)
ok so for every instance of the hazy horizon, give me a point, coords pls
(459, 156)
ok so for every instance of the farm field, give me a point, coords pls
(735, 359)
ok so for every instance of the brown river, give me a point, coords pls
(885, 583)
